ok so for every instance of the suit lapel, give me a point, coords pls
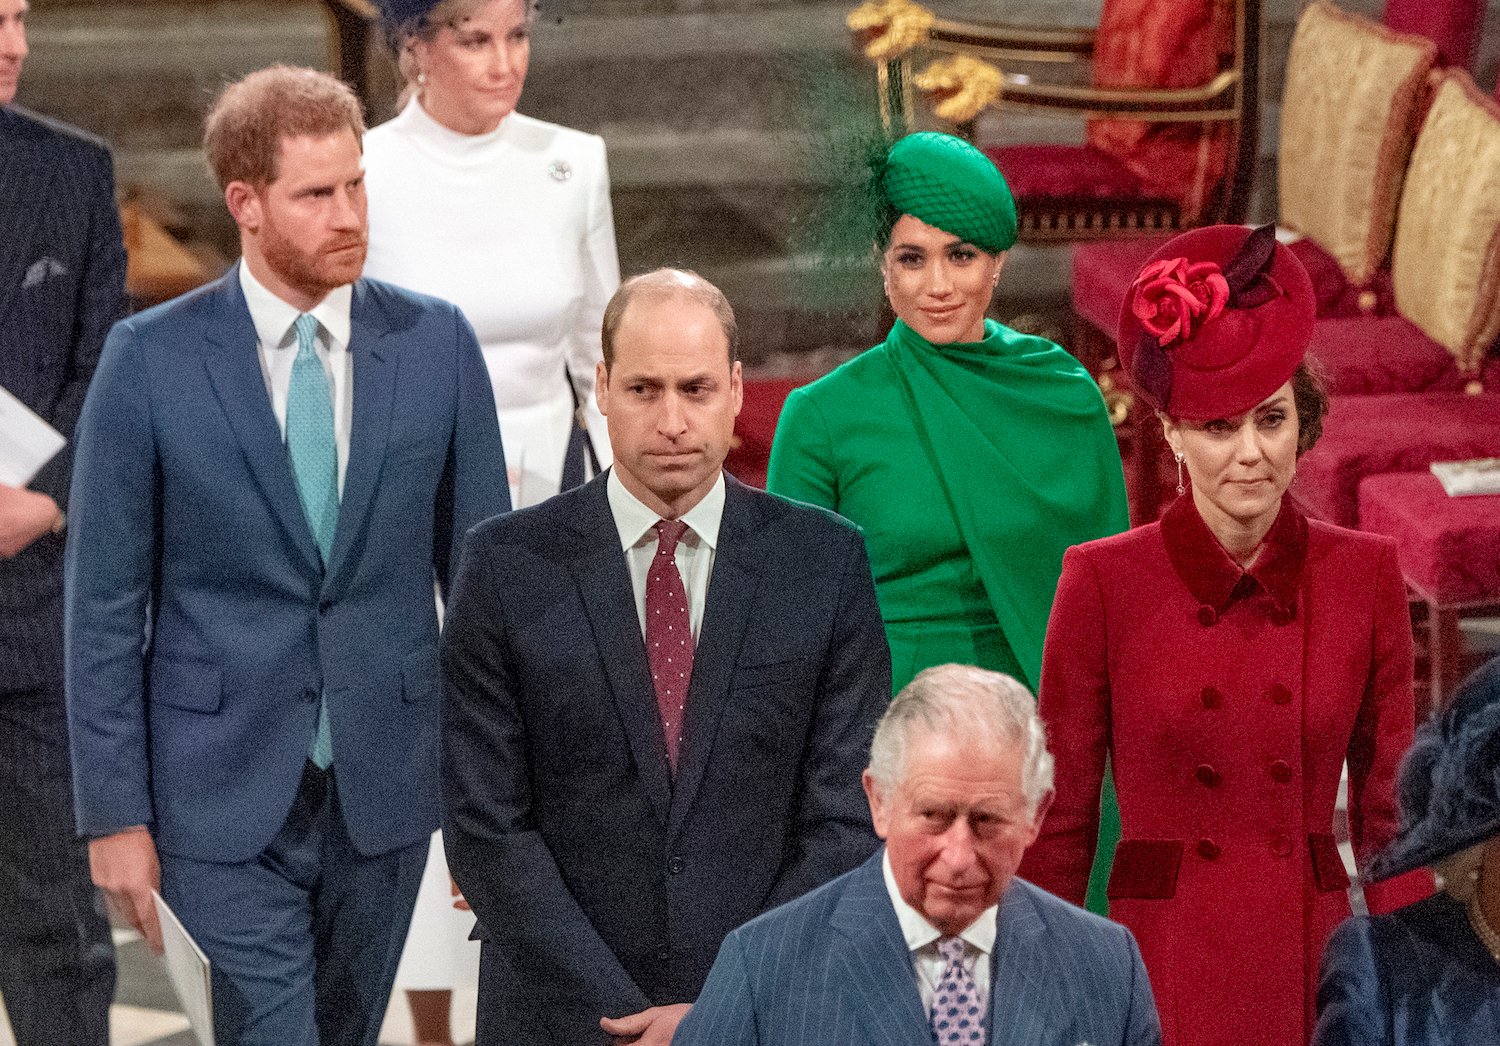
(1025, 1006)
(234, 369)
(609, 601)
(24, 178)
(871, 954)
(374, 378)
(726, 615)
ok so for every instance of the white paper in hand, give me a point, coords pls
(26, 441)
(188, 970)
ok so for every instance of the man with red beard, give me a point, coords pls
(269, 471)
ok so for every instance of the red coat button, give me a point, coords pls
(1208, 849)
(1281, 772)
(1211, 697)
(1281, 846)
(1207, 616)
(1282, 617)
(1207, 775)
(1279, 694)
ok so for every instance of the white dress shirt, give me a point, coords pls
(922, 938)
(695, 552)
(274, 319)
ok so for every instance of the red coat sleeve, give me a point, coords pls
(1075, 706)
(1382, 734)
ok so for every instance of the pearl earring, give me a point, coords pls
(1181, 487)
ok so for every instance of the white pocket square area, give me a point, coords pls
(43, 269)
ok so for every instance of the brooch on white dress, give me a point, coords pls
(560, 170)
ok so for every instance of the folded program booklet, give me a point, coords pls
(26, 441)
(1475, 476)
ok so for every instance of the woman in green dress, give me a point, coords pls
(971, 455)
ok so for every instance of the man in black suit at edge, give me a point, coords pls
(661, 688)
(62, 281)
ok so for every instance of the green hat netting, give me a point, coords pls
(947, 183)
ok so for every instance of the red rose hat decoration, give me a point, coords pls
(1215, 322)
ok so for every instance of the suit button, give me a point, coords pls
(1278, 694)
(1208, 849)
(309, 695)
(675, 865)
(1281, 846)
(1211, 697)
(1207, 776)
(1207, 616)
(1281, 773)
(663, 954)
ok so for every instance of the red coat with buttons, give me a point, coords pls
(1228, 701)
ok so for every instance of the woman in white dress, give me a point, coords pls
(509, 218)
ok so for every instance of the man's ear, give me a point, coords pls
(244, 205)
(601, 387)
(878, 812)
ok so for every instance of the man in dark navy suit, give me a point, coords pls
(270, 470)
(660, 690)
(934, 940)
(62, 277)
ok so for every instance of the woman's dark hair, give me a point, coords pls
(1310, 394)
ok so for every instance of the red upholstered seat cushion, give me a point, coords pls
(1065, 172)
(1454, 25)
(1402, 432)
(1378, 355)
(1102, 274)
(1447, 545)
(1335, 295)
(756, 427)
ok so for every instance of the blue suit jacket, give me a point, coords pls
(201, 624)
(1416, 977)
(833, 969)
(602, 883)
(62, 284)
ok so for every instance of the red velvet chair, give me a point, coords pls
(1170, 98)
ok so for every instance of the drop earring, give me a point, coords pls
(1181, 487)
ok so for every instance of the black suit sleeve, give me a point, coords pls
(833, 832)
(101, 298)
(495, 852)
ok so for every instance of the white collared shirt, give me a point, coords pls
(277, 338)
(922, 939)
(695, 552)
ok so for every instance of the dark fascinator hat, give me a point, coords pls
(1449, 787)
(1215, 322)
(397, 14)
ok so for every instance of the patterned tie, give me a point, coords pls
(957, 1017)
(669, 634)
(309, 440)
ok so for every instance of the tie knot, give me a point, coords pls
(951, 949)
(306, 326)
(668, 533)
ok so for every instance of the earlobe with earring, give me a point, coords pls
(1181, 487)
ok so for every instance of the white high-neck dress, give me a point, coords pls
(515, 228)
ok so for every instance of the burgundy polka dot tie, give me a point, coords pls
(669, 634)
(957, 1017)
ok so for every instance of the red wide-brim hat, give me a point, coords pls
(1202, 341)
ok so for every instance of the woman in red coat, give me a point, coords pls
(1228, 660)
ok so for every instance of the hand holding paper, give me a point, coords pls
(125, 867)
(26, 441)
(25, 516)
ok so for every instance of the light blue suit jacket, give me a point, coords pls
(832, 969)
(201, 625)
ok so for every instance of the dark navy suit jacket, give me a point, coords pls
(833, 969)
(602, 884)
(201, 624)
(62, 284)
(1416, 977)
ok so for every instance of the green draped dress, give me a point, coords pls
(971, 468)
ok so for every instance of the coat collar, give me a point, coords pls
(1215, 579)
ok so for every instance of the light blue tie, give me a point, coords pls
(309, 441)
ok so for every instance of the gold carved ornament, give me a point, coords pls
(961, 86)
(888, 29)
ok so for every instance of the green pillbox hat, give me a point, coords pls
(947, 183)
